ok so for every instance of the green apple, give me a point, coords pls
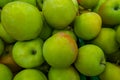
(28, 54)
(98, 5)
(91, 60)
(60, 50)
(70, 32)
(0, 15)
(87, 25)
(30, 74)
(5, 73)
(5, 36)
(1, 46)
(7, 59)
(33, 2)
(23, 21)
(89, 4)
(118, 33)
(63, 74)
(107, 40)
(110, 13)
(4, 2)
(59, 13)
(111, 72)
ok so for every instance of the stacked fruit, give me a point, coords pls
(59, 39)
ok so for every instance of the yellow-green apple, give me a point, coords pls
(60, 50)
(98, 5)
(5, 36)
(89, 4)
(70, 32)
(4, 2)
(96, 63)
(5, 73)
(111, 72)
(63, 74)
(110, 13)
(107, 40)
(23, 21)
(30, 74)
(118, 33)
(59, 13)
(28, 54)
(87, 25)
(33, 2)
(7, 59)
(1, 46)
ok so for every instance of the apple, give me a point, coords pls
(90, 60)
(5, 36)
(28, 54)
(1, 47)
(109, 11)
(30, 74)
(4, 2)
(23, 21)
(33, 2)
(0, 15)
(63, 74)
(98, 5)
(70, 32)
(7, 59)
(111, 72)
(60, 50)
(89, 4)
(5, 73)
(59, 13)
(87, 25)
(107, 40)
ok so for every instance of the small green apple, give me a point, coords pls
(5, 73)
(4, 2)
(87, 25)
(23, 21)
(110, 13)
(1, 47)
(33, 2)
(30, 74)
(60, 50)
(107, 40)
(63, 74)
(91, 60)
(89, 4)
(5, 36)
(59, 13)
(28, 54)
(111, 72)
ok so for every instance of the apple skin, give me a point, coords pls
(75, 2)
(110, 13)
(118, 34)
(5, 36)
(96, 63)
(111, 72)
(28, 54)
(27, 25)
(89, 4)
(107, 40)
(1, 47)
(59, 17)
(60, 50)
(87, 25)
(4, 2)
(7, 59)
(33, 2)
(5, 73)
(0, 15)
(63, 74)
(30, 74)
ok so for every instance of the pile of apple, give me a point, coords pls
(59, 39)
